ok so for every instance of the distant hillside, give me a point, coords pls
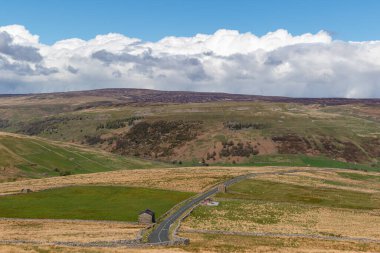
(210, 128)
(123, 96)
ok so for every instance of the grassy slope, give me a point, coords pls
(270, 202)
(346, 123)
(283, 192)
(303, 161)
(90, 203)
(35, 157)
(354, 176)
(266, 206)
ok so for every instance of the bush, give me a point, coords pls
(92, 140)
(65, 173)
(241, 149)
(62, 172)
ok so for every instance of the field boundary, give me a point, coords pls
(268, 234)
(71, 220)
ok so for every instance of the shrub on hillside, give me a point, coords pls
(233, 125)
(240, 149)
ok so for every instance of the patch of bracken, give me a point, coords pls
(239, 149)
(322, 145)
(156, 139)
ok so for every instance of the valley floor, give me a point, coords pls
(309, 210)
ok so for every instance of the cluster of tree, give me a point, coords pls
(119, 123)
(230, 149)
(233, 125)
(114, 124)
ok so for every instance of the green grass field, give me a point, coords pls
(234, 210)
(90, 203)
(37, 158)
(355, 176)
(263, 206)
(282, 192)
(304, 161)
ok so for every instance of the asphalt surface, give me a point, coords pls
(161, 232)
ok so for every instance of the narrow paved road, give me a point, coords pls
(161, 232)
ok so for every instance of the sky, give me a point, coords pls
(298, 48)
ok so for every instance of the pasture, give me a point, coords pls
(90, 203)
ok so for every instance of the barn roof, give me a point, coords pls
(148, 211)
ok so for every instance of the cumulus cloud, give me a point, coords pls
(18, 52)
(278, 63)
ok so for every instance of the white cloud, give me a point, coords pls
(20, 35)
(278, 63)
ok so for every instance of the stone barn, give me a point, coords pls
(147, 216)
(222, 188)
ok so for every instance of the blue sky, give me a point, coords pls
(152, 20)
(296, 48)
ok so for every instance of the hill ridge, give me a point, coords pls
(137, 95)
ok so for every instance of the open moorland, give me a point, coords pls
(307, 210)
(77, 168)
(303, 208)
(45, 231)
(187, 128)
(187, 179)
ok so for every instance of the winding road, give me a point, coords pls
(161, 232)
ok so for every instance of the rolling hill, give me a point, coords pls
(209, 128)
(31, 157)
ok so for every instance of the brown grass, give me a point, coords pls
(7, 173)
(293, 219)
(50, 249)
(234, 243)
(194, 179)
(322, 178)
(287, 218)
(48, 231)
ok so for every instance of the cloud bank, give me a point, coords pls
(278, 63)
